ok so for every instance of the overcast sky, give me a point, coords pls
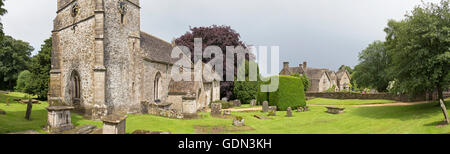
(325, 33)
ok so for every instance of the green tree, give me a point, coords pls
(420, 49)
(2, 12)
(246, 90)
(15, 57)
(23, 81)
(371, 72)
(305, 80)
(40, 70)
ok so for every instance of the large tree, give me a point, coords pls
(2, 12)
(371, 72)
(420, 49)
(14, 58)
(221, 36)
(40, 70)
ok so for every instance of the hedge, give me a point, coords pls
(290, 93)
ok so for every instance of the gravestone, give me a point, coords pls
(226, 112)
(300, 109)
(2, 112)
(239, 122)
(29, 109)
(114, 124)
(225, 99)
(216, 109)
(306, 108)
(261, 117)
(335, 110)
(237, 103)
(59, 119)
(289, 112)
(265, 107)
(272, 110)
(253, 102)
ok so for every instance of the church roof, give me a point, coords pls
(156, 49)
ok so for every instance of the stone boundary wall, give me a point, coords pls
(343, 95)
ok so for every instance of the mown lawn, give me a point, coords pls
(417, 119)
(326, 101)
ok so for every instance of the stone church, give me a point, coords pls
(102, 63)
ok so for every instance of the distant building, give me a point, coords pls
(320, 79)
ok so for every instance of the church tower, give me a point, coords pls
(95, 43)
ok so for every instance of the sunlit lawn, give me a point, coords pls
(326, 101)
(417, 119)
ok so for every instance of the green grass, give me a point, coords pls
(417, 119)
(244, 106)
(326, 101)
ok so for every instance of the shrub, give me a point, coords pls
(246, 90)
(290, 93)
(23, 81)
(305, 80)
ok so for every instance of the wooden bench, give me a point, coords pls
(335, 110)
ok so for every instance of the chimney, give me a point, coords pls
(285, 65)
(305, 65)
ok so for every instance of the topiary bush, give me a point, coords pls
(290, 93)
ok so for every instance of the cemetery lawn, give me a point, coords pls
(326, 101)
(416, 119)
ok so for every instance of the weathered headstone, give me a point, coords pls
(253, 102)
(289, 112)
(29, 109)
(239, 122)
(306, 108)
(444, 109)
(335, 110)
(300, 109)
(237, 103)
(59, 119)
(225, 99)
(114, 124)
(265, 107)
(272, 110)
(216, 109)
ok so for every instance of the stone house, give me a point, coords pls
(102, 63)
(320, 79)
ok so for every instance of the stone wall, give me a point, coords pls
(342, 95)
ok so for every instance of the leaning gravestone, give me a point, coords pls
(216, 109)
(289, 112)
(253, 102)
(265, 107)
(29, 108)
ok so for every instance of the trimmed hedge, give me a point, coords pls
(290, 93)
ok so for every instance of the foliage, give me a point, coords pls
(221, 36)
(246, 90)
(2, 12)
(371, 72)
(15, 57)
(419, 46)
(290, 93)
(305, 80)
(40, 70)
(332, 89)
(327, 101)
(23, 81)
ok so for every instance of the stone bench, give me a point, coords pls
(335, 110)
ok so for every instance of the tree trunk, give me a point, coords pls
(441, 101)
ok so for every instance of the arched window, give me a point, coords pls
(157, 87)
(75, 88)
